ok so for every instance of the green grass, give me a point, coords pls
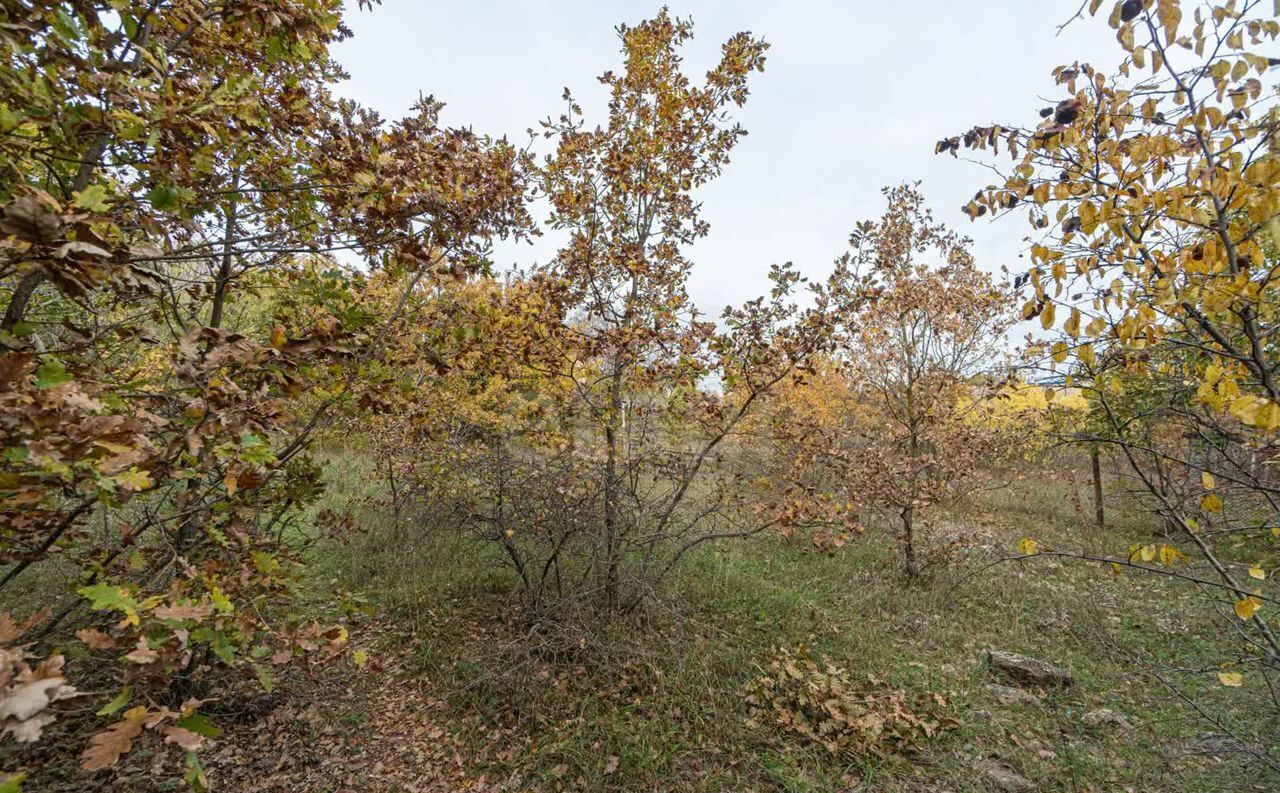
(663, 692)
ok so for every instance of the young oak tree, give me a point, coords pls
(640, 472)
(919, 357)
(156, 157)
(623, 192)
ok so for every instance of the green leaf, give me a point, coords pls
(222, 648)
(220, 601)
(165, 199)
(255, 449)
(107, 597)
(266, 677)
(13, 784)
(51, 373)
(265, 562)
(119, 702)
(195, 776)
(93, 198)
(199, 724)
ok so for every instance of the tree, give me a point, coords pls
(624, 193)
(159, 160)
(590, 427)
(919, 356)
(1155, 191)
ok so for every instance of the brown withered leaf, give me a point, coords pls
(29, 218)
(8, 628)
(144, 654)
(184, 738)
(95, 639)
(184, 612)
(106, 747)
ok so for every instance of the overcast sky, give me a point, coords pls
(853, 97)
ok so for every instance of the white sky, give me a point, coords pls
(853, 98)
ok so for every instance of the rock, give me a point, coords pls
(1002, 777)
(1105, 716)
(1025, 670)
(1007, 695)
(1215, 744)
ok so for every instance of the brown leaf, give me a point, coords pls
(184, 738)
(184, 612)
(95, 639)
(144, 654)
(8, 628)
(27, 217)
(28, 731)
(106, 747)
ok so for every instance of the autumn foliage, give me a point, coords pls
(217, 277)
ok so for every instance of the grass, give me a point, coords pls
(663, 693)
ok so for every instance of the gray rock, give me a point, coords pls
(1215, 744)
(1007, 695)
(1002, 777)
(1025, 670)
(1105, 716)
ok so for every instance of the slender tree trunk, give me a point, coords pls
(908, 513)
(908, 516)
(611, 439)
(223, 280)
(222, 283)
(16, 311)
(1099, 517)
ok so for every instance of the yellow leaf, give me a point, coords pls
(1028, 546)
(133, 480)
(1246, 608)
(1211, 503)
(1168, 555)
(1085, 353)
(1257, 572)
(1268, 416)
(232, 482)
(1206, 479)
(1246, 409)
(1148, 553)
(1231, 679)
(359, 658)
(1046, 316)
(1072, 325)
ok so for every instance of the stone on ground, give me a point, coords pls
(1003, 778)
(1025, 670)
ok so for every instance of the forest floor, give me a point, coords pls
(452, 699)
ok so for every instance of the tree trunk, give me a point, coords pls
(611, 492)
(187, 530)
(908, 516)
(16, 311)
(1099, 515)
